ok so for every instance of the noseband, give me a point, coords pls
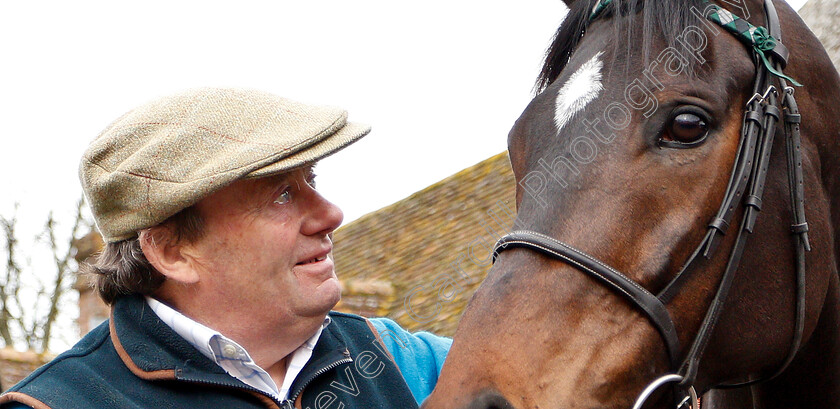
(745, 187)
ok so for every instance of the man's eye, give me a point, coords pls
(284, 197)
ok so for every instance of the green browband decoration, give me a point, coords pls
(599, 7)
(758, 37)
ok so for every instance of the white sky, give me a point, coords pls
(440, 81)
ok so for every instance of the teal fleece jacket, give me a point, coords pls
(134, 359)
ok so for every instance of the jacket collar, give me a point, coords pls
(150, 348)
(153, 351)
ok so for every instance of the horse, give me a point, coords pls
(660, 249)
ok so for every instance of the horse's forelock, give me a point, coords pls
(666, 18)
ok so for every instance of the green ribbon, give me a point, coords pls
(763, 42)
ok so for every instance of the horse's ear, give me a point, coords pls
(569, 3)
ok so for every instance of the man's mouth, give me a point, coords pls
(313, 260)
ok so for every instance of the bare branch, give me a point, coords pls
(27, 321)
(61, 264)
(12, 275)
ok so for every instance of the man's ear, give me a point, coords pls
(168, 256)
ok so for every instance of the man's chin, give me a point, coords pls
(322, 300)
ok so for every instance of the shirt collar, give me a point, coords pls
(222, 350)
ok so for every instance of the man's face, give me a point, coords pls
(266, 247)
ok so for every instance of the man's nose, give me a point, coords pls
(323, 216)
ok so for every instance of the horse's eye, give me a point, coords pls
(685, 130)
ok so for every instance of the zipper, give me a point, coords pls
(317, 374)
(285, 404)
(246, 387)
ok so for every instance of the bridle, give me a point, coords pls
(745, 187)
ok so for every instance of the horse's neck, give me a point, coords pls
(812, 380)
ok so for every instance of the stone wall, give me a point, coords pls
(823, 18)
(16, 365)
(92, 311)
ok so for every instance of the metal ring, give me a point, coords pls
(664, 380)
(789, 90)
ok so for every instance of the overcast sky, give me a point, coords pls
(440, 81)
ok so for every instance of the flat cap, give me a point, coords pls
(165, 156)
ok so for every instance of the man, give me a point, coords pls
(219, 271)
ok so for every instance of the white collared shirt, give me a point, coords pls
(232, 357)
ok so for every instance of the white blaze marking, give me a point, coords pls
(580, 89)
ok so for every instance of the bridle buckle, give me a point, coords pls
(771, 88)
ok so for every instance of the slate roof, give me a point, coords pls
(414, 244)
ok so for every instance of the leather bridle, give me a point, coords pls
(745, 187)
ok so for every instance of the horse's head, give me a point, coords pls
(626, 155)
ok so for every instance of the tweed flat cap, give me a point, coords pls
(165, 156)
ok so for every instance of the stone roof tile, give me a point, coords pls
(416, 243)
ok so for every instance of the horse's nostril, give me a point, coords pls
(490, 400)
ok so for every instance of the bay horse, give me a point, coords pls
(660, 248)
